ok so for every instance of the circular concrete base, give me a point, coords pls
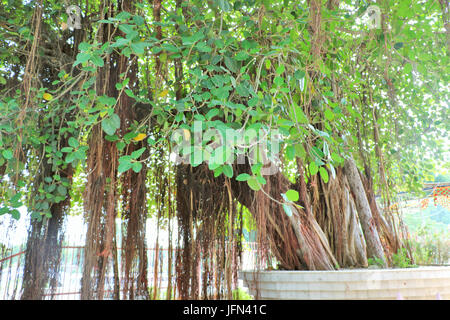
(350, 284)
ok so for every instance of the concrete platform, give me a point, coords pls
(351, 284)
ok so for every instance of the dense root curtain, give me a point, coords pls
(104, 187)
(45, 235)
(210, 235)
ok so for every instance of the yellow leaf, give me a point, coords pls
(66, 75)
(140, 137)
(103, 113)
(187, 134)
(164, 93)
(47, 96)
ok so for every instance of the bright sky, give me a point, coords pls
(74, 235)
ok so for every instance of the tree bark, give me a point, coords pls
(374, 247)
(297, 241)
(334, 210)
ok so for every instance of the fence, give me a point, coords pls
(12, 262)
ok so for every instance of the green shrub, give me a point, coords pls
(241, 294)
(402, 260)
(375, 262)
(430, 246)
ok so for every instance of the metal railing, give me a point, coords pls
(68, 286)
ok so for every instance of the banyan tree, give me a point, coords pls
(305, 116)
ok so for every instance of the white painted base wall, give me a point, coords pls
(367, 284)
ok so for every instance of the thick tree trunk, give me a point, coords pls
(297, 241)
(44, 244)
(335, 211)
(374, 247)
(389, 238)
(42, 256)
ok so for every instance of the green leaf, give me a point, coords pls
(408, 68)
(169, 47)
(336, 157)
(256, 168)
(73, 142)
(70, 157)
(243, 177)
(125, 159)
(126, 28)
(81, 58)
(323, 174)
(120, 145)
(79, 154)
(290, 152)
(298, 115)
(98, 61)
(313, 168)
(241, 56)
(105, 21)
(203, 47)
(67, 149)
(299, 74)
(62, 190)
(231, 64)
(107, 101)
(224, 5)
(253, 102)
(138, 47)
(192, 39)
(124, 166)
(7, 154)
(121, 42)
(15, 214)
(300, 151)
(280, 69)
(138, 20)
(279, 81)
(137, 166)
(329, 115)
(212, 113)
(292, 195)
(122, 16)
(398, 45)
(218, 171)
(111, 124)
(136, 154)
(317, 152)
(254, 184)
(228, 170)
(261, 179)
(112, 138)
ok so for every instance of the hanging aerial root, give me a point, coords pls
(206, 218)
